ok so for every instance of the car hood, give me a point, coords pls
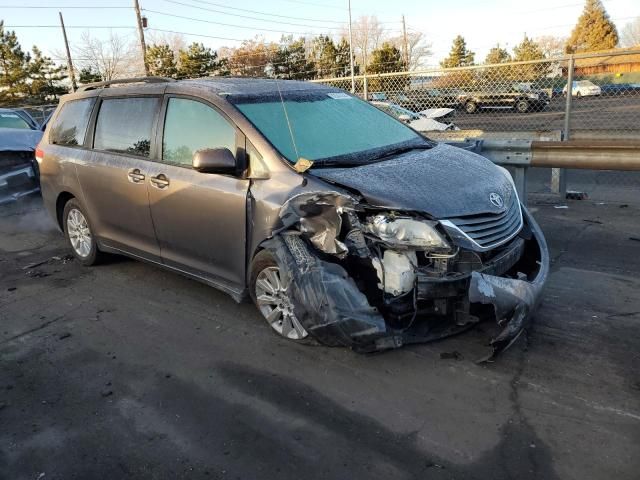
(19, 140)
(443, 182)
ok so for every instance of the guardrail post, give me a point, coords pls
(520, 181)
(559, 175)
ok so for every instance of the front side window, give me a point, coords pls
(70, 125)
(327, 127)
(125, 125)
(191, 126)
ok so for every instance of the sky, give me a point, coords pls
(483, 23)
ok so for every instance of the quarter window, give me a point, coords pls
(125, 125)
(71, 123)
(191, 126)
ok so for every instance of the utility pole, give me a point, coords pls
(136, 6)
(405, 44)
(353, 80)
(72, 75)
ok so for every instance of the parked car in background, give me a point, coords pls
(621, 89)
(399, 98)
(583, 88)
(19, 135)
(341, 223)
(420, 121)
(426, 98)
(513, 97)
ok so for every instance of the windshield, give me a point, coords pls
(331, 128)
(12, 120)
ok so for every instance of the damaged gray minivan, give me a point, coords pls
(341, 223)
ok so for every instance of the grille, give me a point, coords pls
(487, 230)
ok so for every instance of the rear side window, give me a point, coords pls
(13, 120)
(70, 125)
(191, 126)
(124, 125)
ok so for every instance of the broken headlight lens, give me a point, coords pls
(402, 231)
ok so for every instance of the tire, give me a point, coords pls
(522, 106)
(79, 235)
(470, 107)
(578, 95)
(271, 299)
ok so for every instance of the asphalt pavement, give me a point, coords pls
(127, 371)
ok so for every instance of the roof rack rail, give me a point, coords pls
(108, 83)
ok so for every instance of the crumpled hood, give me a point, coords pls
(443, 182)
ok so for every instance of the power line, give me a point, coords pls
(197, 35)
(263, 13)
(85, 7)
(224, 24)
(68, 26)
(246, 16)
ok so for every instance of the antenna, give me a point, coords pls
(286, 115)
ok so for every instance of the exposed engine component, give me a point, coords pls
(396, 271)
(406, 232)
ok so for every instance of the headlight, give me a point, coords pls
(407, 232)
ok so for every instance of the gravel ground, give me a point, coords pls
(127, 371)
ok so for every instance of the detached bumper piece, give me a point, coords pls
(17, 181)
(335, 311)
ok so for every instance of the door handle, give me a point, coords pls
(135, 176)
(159, 181)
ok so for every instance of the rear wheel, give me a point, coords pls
(79, 235)
(470, 107)
(270, 291)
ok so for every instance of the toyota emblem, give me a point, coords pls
(496, 200)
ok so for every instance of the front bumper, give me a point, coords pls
(332, 309)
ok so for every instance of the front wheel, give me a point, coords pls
(78, 233)
(522, 106)
(270, 291)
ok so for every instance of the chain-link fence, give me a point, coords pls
(588, 96)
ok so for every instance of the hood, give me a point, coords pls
(443, 182)
(19, 140)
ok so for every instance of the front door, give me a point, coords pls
(114, 175)
(199, 218)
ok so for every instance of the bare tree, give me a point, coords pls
(630, 35)
(368, 35)
(113, 57)
(176, 41)
(551, 46)
(419, 49)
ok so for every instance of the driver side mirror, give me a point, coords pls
(214, 160)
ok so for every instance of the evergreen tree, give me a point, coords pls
(525, 51)
(325, 56)
(343, 60)
(290, 60)
(594, 31)
(459, 56)
(197, 61)
(493, 75)
(87, 75)
(387, 58)
(161, 60)
(14, 69)
(44, 78)
(497, 55)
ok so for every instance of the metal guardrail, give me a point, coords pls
(520, 155)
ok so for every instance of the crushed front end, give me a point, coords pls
(374, 278)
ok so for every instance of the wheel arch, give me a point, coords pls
(61, 201)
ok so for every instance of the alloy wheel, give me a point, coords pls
(79, 233)
(274, 303)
